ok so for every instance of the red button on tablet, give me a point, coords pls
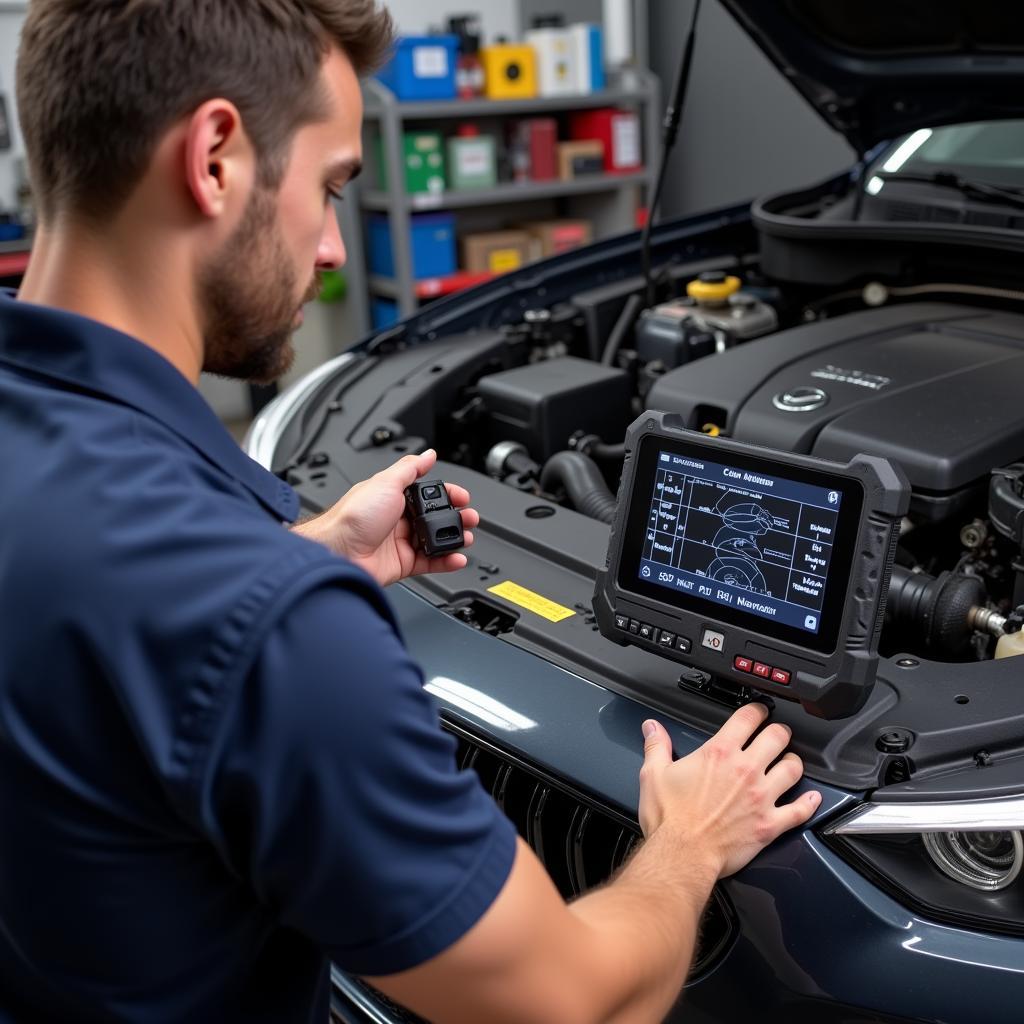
(780, 675)
(742, 664)
(762, 670)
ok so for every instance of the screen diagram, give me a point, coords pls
(758, 543)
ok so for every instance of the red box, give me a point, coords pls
(618, 130)
(533, 147)
(762, 670)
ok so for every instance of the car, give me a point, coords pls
(878, 313)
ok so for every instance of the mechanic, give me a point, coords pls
(218, 767)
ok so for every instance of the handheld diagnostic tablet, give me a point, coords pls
(765, 567)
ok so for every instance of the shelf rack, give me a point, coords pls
(611, 199)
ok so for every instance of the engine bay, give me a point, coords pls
(527, 397)
(543, 416)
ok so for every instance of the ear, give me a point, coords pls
(219, 158)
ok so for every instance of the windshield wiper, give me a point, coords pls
(978, 190)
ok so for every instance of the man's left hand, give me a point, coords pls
(368, 525)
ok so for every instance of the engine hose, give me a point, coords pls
(592, 445)
(933, 611)
(582, 480)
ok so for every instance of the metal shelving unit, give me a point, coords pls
(610, 200)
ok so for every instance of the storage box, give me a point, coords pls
(617, 130)
(383, 313)
(422, 68)
(533, 145)
(496, 252)
(432, 240)
(510, 71)
(553, 237)
(576, 159)
(542, 405)
(472, 160)
(423, 158)
(558, 70)
(588, 42)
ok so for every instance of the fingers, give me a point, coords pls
(783, 776)
(451, 562)
(798, 811)
(771, 741)
(657, 746)
(410, 468)
(458, 496)
(470, 518)
(742, 725)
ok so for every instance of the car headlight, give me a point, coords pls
(956, 862)
(986, 861)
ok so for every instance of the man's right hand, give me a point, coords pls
(722, 797)
(620, 954)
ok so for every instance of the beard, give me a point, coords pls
(247, 300)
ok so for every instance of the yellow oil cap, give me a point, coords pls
(713, 286)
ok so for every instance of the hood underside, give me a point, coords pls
(875, 71)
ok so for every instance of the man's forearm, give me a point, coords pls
(644, 926)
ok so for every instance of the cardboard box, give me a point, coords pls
(495, 252)
(553, 237)
(576, 159)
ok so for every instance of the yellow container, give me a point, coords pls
(510, 71)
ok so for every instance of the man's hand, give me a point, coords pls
(722, 797)
(368, 527)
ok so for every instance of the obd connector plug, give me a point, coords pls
(435, 522)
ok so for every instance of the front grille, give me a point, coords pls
(579, 842)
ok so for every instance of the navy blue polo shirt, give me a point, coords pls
(218, 766)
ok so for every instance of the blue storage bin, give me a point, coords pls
(383, 313)
(422, 68)
(433, 245)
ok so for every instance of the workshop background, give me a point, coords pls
(504, 156)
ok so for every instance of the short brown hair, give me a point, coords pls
(99, 81)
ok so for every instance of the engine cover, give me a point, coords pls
(937, 388)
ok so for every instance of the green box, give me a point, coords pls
(472, 162)
(423, 159)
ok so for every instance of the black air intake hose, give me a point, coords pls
(933, 611)
(582, 480)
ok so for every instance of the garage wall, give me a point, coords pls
(745, 130)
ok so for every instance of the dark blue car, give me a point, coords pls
(881, 312)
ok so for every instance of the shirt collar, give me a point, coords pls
(92, 356)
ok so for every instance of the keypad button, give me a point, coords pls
(683, 644)
(743, 664)
(762, 670)
(634, 626)
(666, 639)
(622, 622)
(781, 676)
(713, 640)
(646, 632)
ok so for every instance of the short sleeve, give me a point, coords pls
(334, 792)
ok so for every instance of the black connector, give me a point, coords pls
(436, 524)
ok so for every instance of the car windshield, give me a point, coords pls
(990, 152)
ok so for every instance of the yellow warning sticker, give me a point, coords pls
(531, 602)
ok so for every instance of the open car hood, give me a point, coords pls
(877, 70)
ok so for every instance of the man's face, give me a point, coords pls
(251, 292)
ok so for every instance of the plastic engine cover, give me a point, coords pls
(937, 388)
